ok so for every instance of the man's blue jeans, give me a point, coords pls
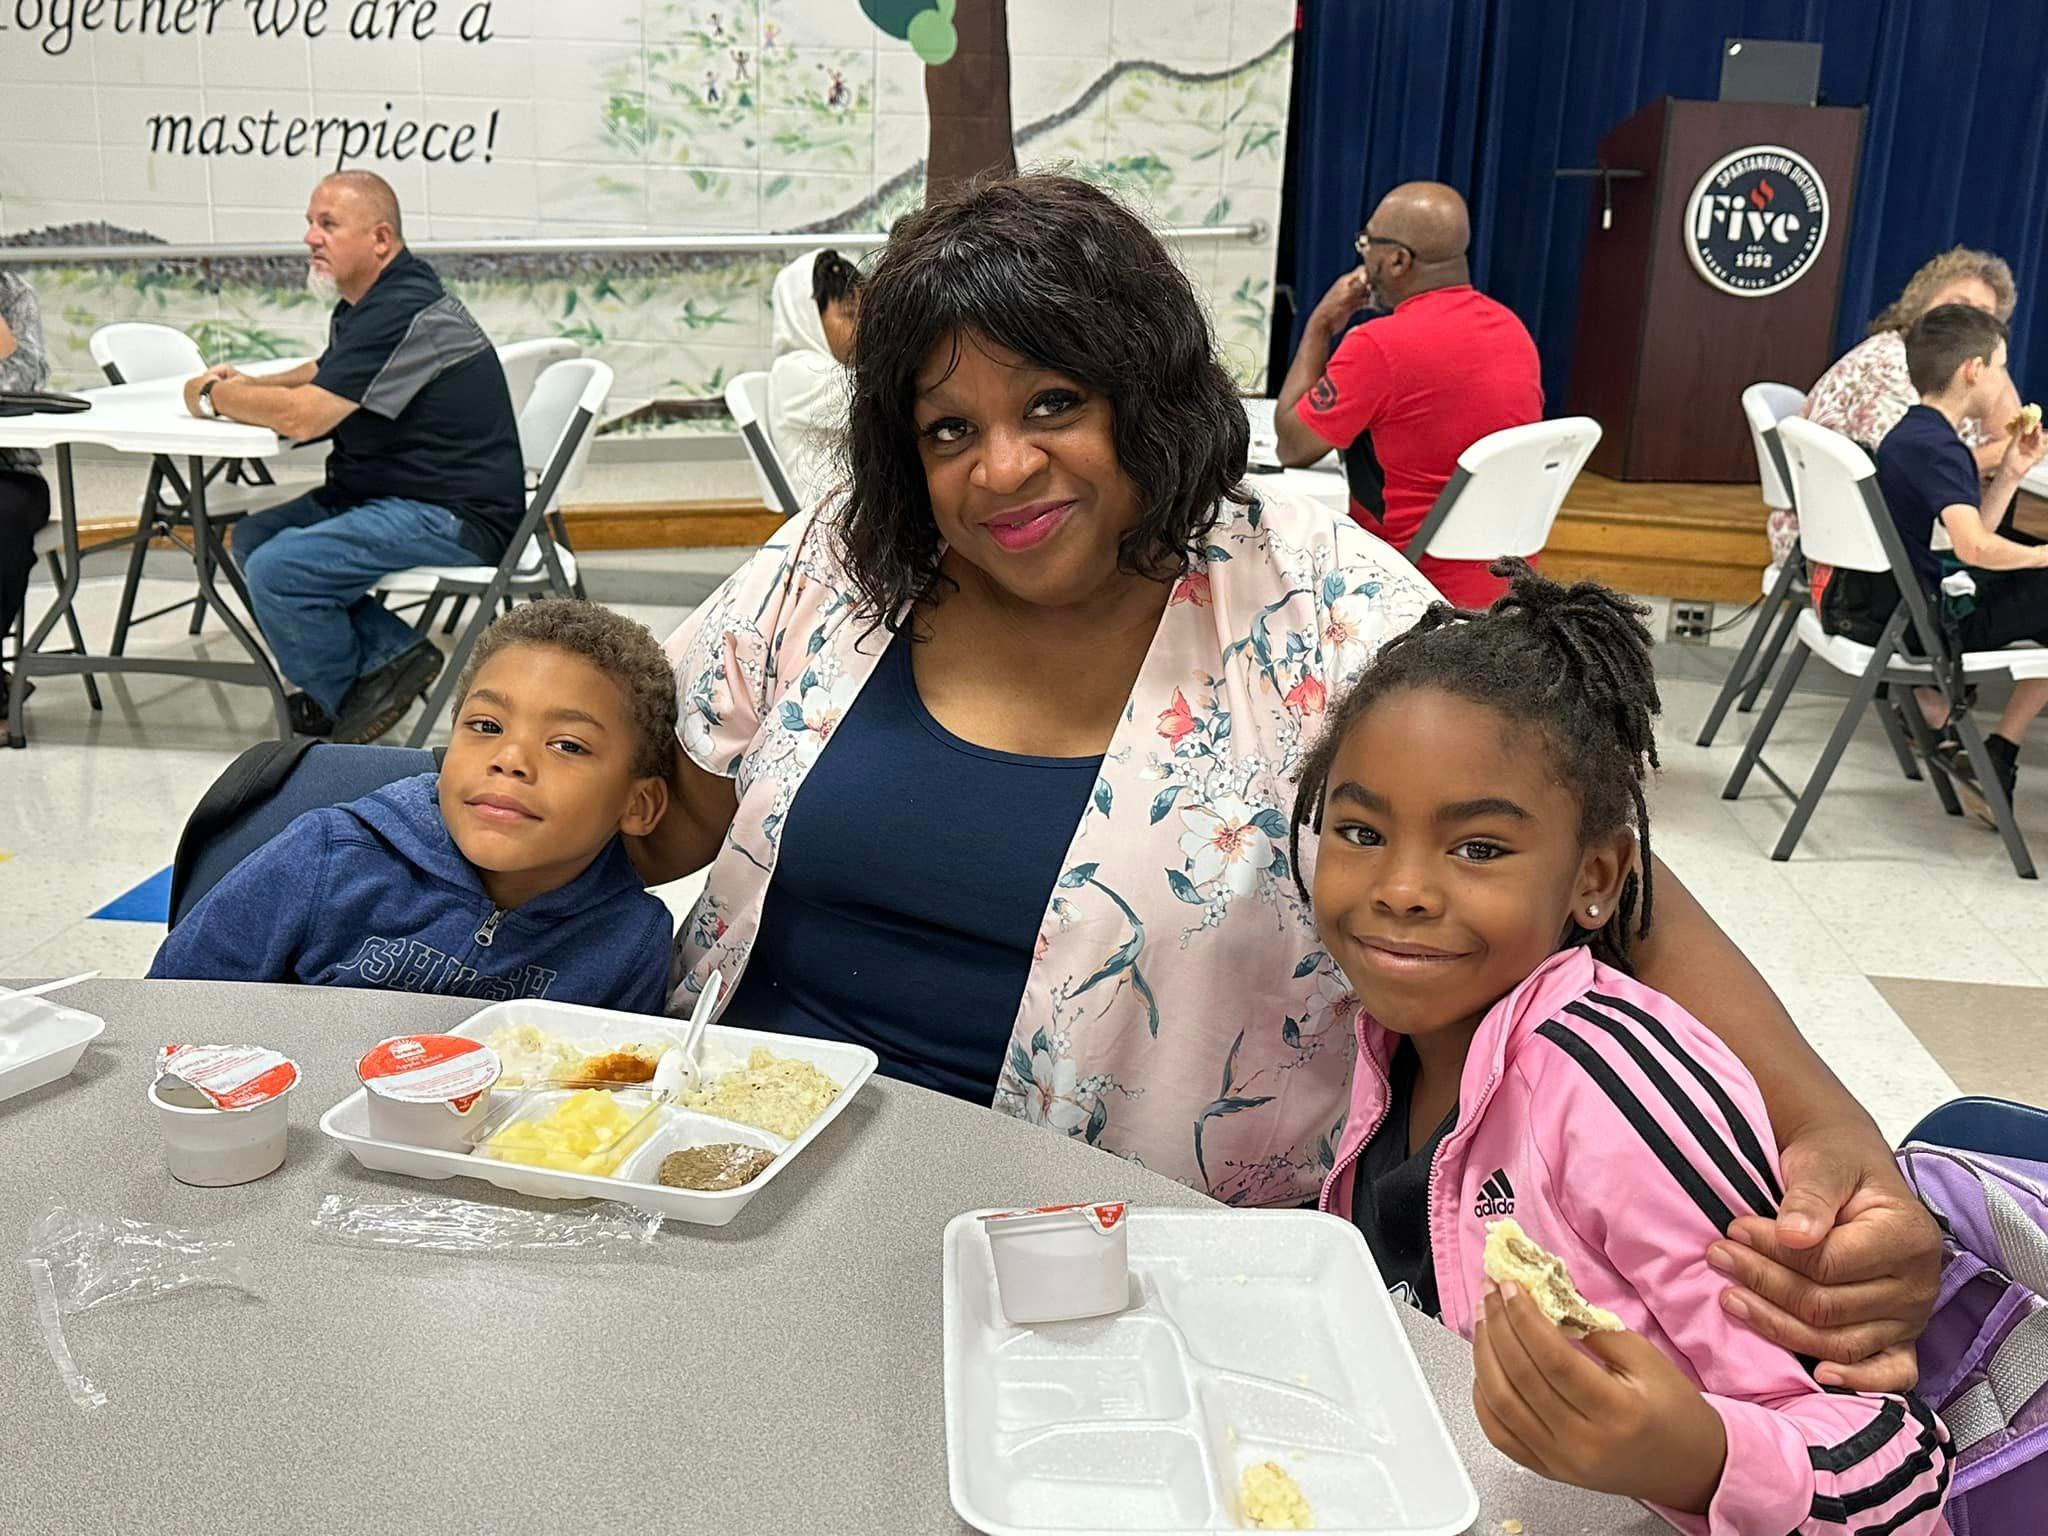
(310, 571)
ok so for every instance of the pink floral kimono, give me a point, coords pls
(1179, 1011)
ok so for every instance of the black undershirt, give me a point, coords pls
(1390, 1195)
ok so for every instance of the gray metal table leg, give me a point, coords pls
(204, 541)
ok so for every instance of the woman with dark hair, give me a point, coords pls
(24, 495)
(990, 762)
(812, 308)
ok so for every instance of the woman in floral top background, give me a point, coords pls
(24, 496)
(990, 759)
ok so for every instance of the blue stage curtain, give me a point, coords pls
(1492, 96)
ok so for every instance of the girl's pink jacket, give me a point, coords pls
(1624, 1137)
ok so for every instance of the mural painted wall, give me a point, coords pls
(191, 121)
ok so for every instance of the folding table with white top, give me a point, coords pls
(1322, 481)
(147, 419)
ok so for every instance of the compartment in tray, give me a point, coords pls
(1280, 1328)
(684, 1128)
(633, 1116)
(1347, 1492)
(1124, 1477)
(1064, 1373)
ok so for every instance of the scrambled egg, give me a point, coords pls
(588, 1132)
(774, 1093)
(1271, 1501)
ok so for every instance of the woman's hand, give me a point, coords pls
(1621, 1419)
(1846, 1274)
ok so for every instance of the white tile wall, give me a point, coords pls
(636, 115)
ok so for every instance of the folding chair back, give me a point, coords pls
(1842, 516)
(263, 791)
(1976, 1123)
(137, 352)
(1763, 407)
(550, 416)
(746, 398)
(1506, 491)
(571, 397)
(524, 362)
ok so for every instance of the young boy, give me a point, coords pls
(1956, 356)
(504, 875)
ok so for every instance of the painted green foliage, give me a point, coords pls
(927, 25)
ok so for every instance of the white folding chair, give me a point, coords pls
(1784, 586)
(138, 352)
(524, 362)
(48, 543)
(1504, 495)
(571, 396)
(746, 398)
(1843, 522)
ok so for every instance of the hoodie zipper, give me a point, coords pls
(489, 931)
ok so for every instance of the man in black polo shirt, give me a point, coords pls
(1956, 356)
(425, 467)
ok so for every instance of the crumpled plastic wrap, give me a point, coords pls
(77, 1262)
(439, 1224)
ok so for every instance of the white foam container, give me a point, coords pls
(41, 1041)
(848, 1065)
(1250, 1336)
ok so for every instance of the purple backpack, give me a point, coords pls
(1984, 1356)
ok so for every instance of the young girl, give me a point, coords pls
(1483, 863)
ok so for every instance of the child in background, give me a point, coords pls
(1482, 864)
(503, 875)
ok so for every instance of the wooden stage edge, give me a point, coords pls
(1701, 542)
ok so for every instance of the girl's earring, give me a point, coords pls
(1592, 911)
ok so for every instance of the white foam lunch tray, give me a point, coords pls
(1250, 1336)
(848, 1065)
(41, 1041)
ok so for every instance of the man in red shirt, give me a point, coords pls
(1445, 367)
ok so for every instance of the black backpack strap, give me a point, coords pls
(248, 781)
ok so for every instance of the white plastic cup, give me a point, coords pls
(1061, 1262)
(428, 1090)
(214, 1147)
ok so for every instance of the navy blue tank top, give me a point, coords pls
(914, 874)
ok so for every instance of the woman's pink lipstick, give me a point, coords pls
(1028, 527)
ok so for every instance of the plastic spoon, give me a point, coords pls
(43, 988)
(677, 1071)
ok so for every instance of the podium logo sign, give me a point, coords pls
(1756, 220)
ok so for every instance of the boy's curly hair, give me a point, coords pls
(622, 650)
(1575, 664)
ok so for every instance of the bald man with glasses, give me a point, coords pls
(1441, 367)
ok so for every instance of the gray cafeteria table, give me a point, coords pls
(781, 1374)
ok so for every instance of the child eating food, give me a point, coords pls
(1482, 866)
(504, 874)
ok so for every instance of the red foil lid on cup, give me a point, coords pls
(1101, 1217)
(429, 1069)
(230, 1076)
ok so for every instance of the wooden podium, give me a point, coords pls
(1677, 312)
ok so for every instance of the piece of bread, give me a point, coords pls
(2028, 419)
(1512, 1255)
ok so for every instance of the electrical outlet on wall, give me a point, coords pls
(1692, 621)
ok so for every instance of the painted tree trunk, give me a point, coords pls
(968, 99)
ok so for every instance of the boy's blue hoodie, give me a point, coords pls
(376, 894)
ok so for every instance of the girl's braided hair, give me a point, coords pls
(1572, 662)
